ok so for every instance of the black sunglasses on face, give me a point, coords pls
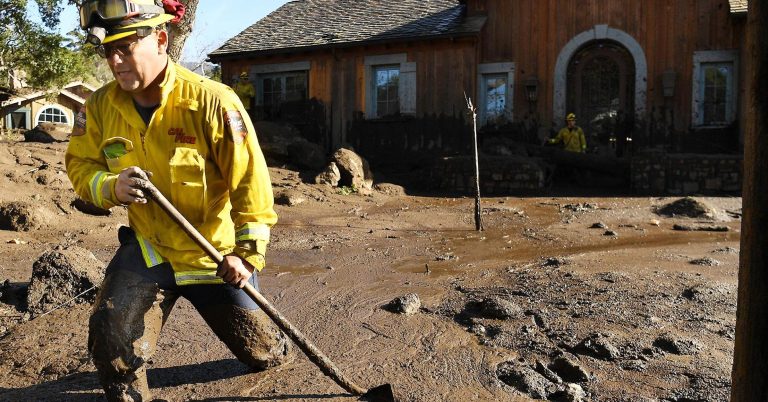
(123, 49)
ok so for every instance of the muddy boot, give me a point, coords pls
(251, 336)
(123, 331)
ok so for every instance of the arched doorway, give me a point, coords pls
(601, 91)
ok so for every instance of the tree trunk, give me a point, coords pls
(181, 31)
(750, 359)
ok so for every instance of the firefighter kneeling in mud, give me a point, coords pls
(199, 144)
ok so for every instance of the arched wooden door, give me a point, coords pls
(601, 92)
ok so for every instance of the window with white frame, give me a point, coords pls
(714, 88)
(387, 95)
(494, 98)
(390, 86)
(52, 114)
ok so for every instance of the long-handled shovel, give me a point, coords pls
(381, 393)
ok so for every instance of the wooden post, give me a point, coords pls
(750, 358)
(473, 114)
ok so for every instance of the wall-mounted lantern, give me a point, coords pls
(668, 79)
(532, 89)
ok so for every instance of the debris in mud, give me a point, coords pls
(290, 198)
(555, 262)
(408, 304)
(705, 293)
(726, 250)
(599, 225)
(670, 343)
(571, 393)
(687, 206)
(446, 257)
(580, 207)
(705, 261)
(19, 217)
(60, 275)
(88, 208)
(610, 233)
(547, 373)
(389, 189)
(706, 228)
(598, 346)
(498, 308)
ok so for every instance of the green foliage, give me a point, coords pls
(47, 59)
(347, 190)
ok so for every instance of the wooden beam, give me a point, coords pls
(750, 360)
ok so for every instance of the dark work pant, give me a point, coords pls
(133, 304)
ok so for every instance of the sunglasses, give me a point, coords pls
(123, 49)
(111, 11)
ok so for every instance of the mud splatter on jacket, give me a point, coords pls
(205, 158)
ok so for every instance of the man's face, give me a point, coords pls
(135, 62)
(571, 123)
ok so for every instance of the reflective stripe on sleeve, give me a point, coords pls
(96, 185)
(252, 231)
(206, 277)
(151, 257)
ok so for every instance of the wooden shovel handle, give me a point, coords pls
(313, 353)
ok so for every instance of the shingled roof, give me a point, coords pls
(738, 6)
(302, 24)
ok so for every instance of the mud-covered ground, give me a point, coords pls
(539, 305)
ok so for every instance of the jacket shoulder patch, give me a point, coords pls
(236, 126)
(79, 126)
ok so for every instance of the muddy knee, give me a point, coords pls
(250, 335)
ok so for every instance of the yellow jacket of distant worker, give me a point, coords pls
(573, 140)
(202, 151)
(245, 91)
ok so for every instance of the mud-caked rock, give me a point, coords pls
(688, 207)
(88, 208)
(58, 276)
(20, 216)
(597, 345)
(354, 171)
(677, 345)
(408, 304)
(330, 176)
(290, 198)
(569, 369)
(525, 380)
(496, 307)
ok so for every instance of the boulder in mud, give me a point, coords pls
(354, 171)
(58, 276)
(330, 176)
(408, 304)
(19, 216)
(569, 369)
(290, 198)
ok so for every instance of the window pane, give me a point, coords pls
(715, 103)
(387, 90)
(53, 115)
(495, 96)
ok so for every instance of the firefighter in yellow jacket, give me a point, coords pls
(194, 139)
(245, 90)
(571, 136)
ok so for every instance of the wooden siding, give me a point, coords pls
(532, 33)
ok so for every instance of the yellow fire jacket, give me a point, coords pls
(202, 150)
(573, 141)
(245, 91)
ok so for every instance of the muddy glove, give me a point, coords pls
(128, 186)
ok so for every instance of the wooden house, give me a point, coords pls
(394, 75)
(27, 108)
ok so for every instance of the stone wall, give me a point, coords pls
(686, 174)
(499, 175)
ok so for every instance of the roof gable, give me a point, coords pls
(327, 23)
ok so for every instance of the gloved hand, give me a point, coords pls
(127, 186)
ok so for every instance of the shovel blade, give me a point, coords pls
(382, 393)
